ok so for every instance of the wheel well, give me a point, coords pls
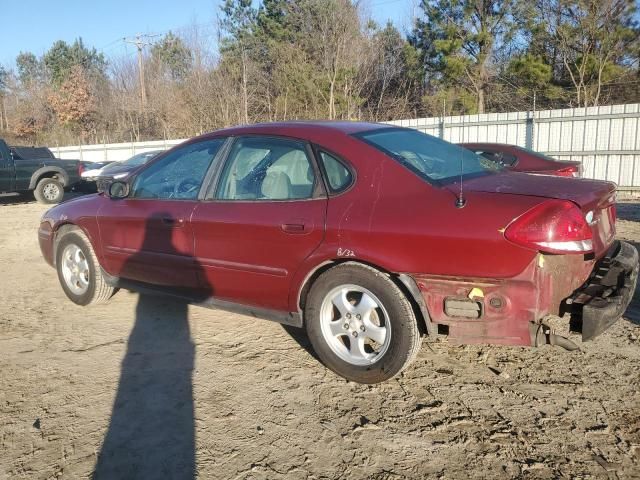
(59, 233)
(415, 303)
(51, 174)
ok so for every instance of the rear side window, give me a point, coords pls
(339, 177)
(267, 168)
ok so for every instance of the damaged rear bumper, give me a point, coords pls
(604, 297)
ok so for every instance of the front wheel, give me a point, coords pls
(49, 190)
(79, 271)
(360, 323)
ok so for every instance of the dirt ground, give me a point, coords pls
(144, 387)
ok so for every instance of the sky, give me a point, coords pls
(34, 25)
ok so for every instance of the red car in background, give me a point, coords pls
(522, 159)
(369, 236)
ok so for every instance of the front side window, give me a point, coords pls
(264, 168)
(179, 175)
(428, 156)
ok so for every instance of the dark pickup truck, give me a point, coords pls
(47, 178)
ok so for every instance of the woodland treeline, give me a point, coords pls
(325, 59)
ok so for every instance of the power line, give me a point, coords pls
(141, 41)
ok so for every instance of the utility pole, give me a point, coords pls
(141, 41)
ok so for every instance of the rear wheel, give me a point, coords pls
(49, 190)
(79, 272)
(360, 323)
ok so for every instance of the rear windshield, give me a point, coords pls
(428, 156)
(537, 154)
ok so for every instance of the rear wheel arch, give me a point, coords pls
(404, 282)
(49, 172)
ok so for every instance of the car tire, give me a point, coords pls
(79, 271)
(49, 191)
(361, 324)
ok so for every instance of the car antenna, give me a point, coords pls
(460, 200)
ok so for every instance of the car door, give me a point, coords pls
(147, 236)
(265, 217)
(6, 169)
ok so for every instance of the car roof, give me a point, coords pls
(301, 128)
(487, 144)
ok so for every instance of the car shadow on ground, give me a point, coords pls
(16, 199)
(633, 310)
(151, 432)
(302, 339)
(25, 198)
(629, 211)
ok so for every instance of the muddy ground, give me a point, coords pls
(200, 392)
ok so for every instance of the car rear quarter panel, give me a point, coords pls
(397, 221)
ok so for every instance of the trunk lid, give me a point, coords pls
(594, 196)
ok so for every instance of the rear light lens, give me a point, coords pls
(613, 213)
(81, 168)
(555, 226)
(572, 171)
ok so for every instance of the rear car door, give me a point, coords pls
(265, 217)
(147, 236)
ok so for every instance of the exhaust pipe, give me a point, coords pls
(543, 335)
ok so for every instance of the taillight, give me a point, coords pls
(555, 226)
(613, 214)
(572, 171)
(80, 168)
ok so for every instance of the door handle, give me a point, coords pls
(294, 227)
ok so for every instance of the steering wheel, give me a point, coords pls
(185, 186)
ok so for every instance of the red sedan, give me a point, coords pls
(367, 235)
(521, 159)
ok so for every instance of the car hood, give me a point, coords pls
(116, 170)
(584, 192)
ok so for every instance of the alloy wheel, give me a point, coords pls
(355, 324)
(75, 269)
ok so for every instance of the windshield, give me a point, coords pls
(140, 159)
(428, 156)
(135, 161)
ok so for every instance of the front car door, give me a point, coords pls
(147, 236)
(6, 169)
(264, 218)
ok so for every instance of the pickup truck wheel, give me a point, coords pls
(360, 323)
(49, 190)
(79, 272)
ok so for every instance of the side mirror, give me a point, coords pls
(118, 190)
